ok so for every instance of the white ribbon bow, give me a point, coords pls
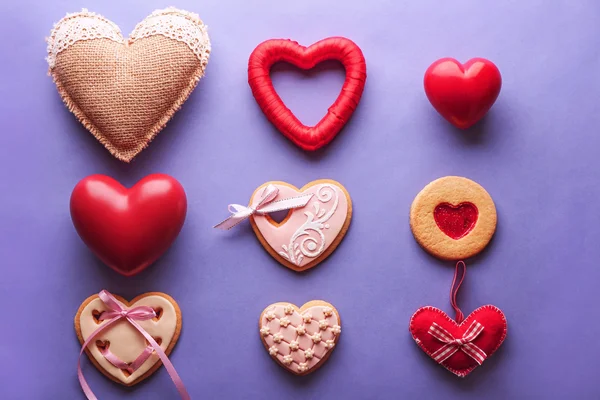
(265, 205)
(453, 345)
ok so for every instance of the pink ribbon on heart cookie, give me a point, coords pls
(264, 205)
(115, 313)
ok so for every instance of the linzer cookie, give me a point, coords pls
(453, 218)
(124, 91)
(300, 339)
(319, 216)
(129, 341)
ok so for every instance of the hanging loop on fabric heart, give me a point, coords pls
(284, 50)
(459, 276)
(115, 313)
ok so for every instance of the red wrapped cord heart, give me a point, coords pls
(335, 48)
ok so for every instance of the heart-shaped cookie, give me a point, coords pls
(300, 339)
(335, 48)
(308, 234)
(128, 229)
(480, 335)
(462, 93)
(123, 344)
(124, 91)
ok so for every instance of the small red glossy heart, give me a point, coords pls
(489, 340)
(335, 48)
(455, 221)
(128, 229)
(462, 93)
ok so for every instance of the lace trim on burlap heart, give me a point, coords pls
(85, 25)
(76, 27)
(194, 35)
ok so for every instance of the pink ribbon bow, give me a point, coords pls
(453, 345)
(265, 205)
(114, 313)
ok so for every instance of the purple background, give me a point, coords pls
(536, 153)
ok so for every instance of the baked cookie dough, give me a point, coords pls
(453, 218)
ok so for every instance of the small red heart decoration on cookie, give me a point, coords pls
(462, 93)
(335, 48)
(128, 229)
(460, 348)
(455, 221)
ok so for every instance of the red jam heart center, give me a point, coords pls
(455, 221)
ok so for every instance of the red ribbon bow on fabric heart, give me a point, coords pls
(453, 345)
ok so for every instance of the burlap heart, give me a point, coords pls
(124, 91)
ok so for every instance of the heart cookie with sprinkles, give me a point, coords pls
(124, 91)
(300, 339)
(120, 351)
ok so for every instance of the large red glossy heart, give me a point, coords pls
(462, 93)
(335, 48)
(128, 229)
(489, 340)
(455, 221)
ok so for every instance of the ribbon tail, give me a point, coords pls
(165, 360)
(84, 385)
(229, 223)
(444, 353)
(238, 214)
(474, 352)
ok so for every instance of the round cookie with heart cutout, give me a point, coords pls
(453, 218)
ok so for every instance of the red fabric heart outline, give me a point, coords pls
(490, 339)
(456, 221)
(334, 48)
